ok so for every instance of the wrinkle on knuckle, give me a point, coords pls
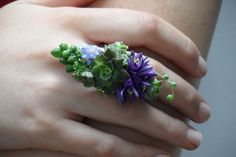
(173, 130)
(148, 24)
(47, 83)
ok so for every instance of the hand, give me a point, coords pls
(42, 116)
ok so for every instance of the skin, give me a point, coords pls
(45, 122)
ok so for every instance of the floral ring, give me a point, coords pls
(114, 69)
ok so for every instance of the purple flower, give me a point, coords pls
(141, 73)
(128, 88)
(90, 52)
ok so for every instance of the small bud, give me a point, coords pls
(170, 98)
(63, 61)
(56, 52)
(156, 83)
(72, 59)
(65, 54)
(173, 84)
(69, 68)
(63, 46)
(165, 77)
(73, 48)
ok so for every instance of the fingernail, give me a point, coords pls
(203, 66)
(194, 137)
(204, 112)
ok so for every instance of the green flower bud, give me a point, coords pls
(73, 48)
(72, 59)
(56, 52)
(165, 77)
(69, 68)
(63, 46)
(170, 98)
(156, 83)
(63, 61)
(173, 84)
(65, 53)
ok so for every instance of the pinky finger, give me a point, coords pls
(80, 139)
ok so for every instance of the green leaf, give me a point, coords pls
(63, 61)
(121, 45)
(105, 72)
(72, 58)
(100, 59)
(124, 75)
(110, 65)
(56, 52)
(116, 76)
(66, 54)
(87, 82)
(73, 48)
(69, 68)
(118, 62)
(111, 52)
(63, 46)
(96, 71)
(99, 83)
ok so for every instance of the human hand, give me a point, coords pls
(50, 99)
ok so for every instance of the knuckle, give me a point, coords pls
(38, 124)
(47, 83)
(106, 147)
(148, 23)
(174, 130)
(191, 97)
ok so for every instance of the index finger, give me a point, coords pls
(139, 29)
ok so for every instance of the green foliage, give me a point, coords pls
(63, 46)
(56, 52)
(108, 71)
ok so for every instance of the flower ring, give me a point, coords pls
(114, 69)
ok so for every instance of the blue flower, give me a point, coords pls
(141, 74)
(90, 52)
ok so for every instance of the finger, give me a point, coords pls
(59, 3)
(80, 139)
(139, 116)
(34, 153)
(187, 99)
(131, 135)
(140, 29)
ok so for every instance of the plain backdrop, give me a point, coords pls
(219, 89)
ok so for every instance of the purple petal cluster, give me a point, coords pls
(141, 73)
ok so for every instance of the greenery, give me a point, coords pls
(106, 70)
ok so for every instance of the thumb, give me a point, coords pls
(59, 3)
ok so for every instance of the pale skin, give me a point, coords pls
(49, 117)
